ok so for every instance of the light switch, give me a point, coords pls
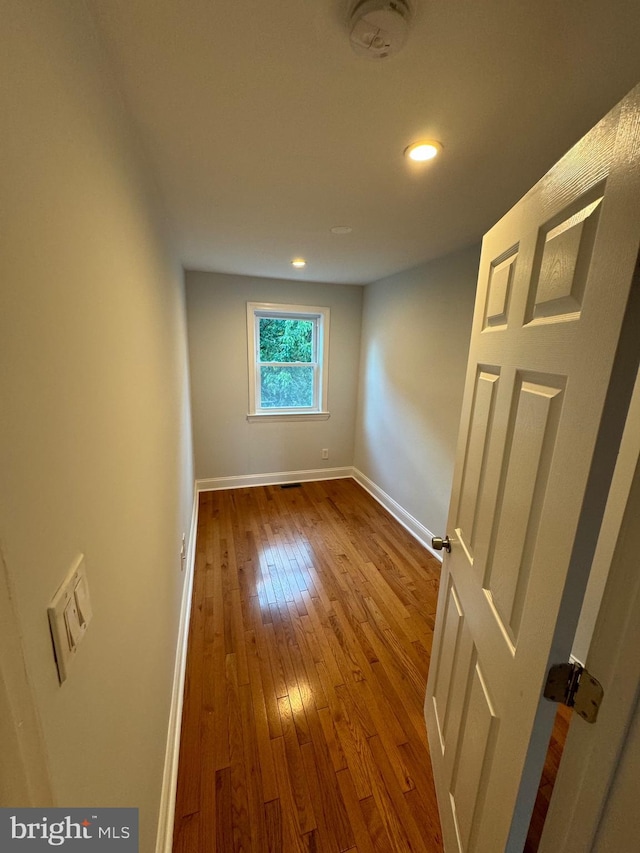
(72, 624)
(83, 602)
(69, 615)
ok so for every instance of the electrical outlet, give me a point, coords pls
(325, 453)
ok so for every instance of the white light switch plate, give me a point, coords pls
(69, 615)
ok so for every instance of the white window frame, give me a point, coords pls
(321, 318)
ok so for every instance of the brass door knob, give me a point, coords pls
(441, 544)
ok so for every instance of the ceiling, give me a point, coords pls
(264, 128)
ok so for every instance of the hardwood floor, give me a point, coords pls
(549, 773)
(309, 646)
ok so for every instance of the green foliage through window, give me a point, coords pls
(289, 341)
(286, 387)
(286, 340)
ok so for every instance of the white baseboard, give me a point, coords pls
(415, 528)
(164, 837)
(245, 480)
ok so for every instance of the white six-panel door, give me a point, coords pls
(554, 282)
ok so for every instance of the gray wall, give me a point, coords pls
(225, 443)
(415, 340)
(95, 453)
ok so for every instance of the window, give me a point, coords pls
(288, 358)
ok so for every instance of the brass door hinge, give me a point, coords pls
(573, 686)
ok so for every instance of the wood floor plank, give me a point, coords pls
(253, 770)
(305, 816)
(356, 710)
(353, 641)
(409, 717)
(224, 821)
(291, 838)
(215, 677)
(399, 671)
(207, 806)
(421, 820)
(270, 694)
(305, 666)
(379, 837)
(362, 831)
(187, 834)
(325, 651)
(413, 831)
(326, 838)
(261, 721)
(416, 759)
(386, 726)
(381, 708)
(382, 592)
(353, 744)
(422, 658)
(394, 822)
(278, 663)
(328, 804)
(241, 824)
(331, 739)
(547, 782)
(273, 822)
(420, 625)
(238, 632)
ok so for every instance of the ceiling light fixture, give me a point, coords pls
(341, 229)
(298, 263)
(422, 151)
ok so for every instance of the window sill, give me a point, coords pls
(277, 417)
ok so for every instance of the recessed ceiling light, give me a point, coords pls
(424, 150)
(341, 229)
(298, 263)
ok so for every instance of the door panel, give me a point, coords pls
(446, 663)
(475, 755)
(532, 429)
(449, 683)
(474, 466)
(499, 290)
(562, 263)
(554, 282)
